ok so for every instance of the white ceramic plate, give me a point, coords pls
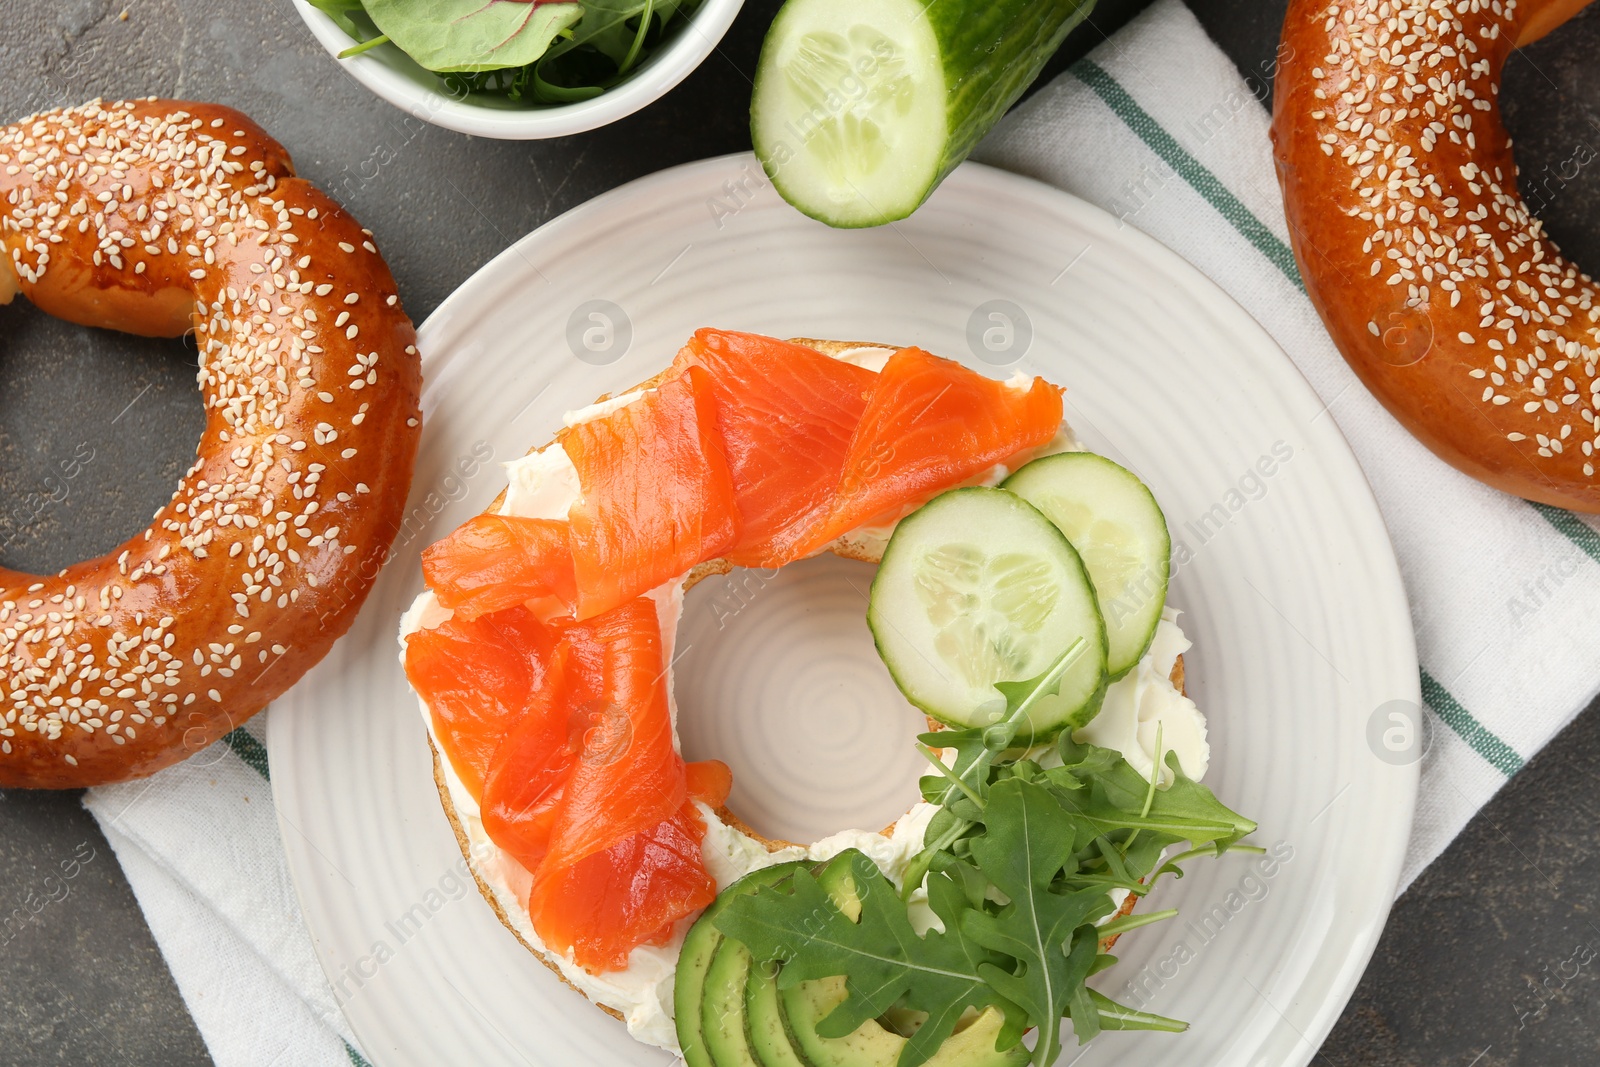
(1289, 589)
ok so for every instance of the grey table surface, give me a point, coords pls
(1472, 969)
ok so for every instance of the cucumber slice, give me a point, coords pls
(695, 960)
(977, 587)
(1112, 519)
(861, 107)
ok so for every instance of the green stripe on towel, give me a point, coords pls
(1574, 529)
(1194, 172)
(1500, 755)
(247, 748)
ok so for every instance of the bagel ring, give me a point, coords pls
(1435, 281)
(159, 217)
(505, 883)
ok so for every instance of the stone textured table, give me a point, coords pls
(1455, 979)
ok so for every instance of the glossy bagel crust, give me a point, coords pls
(1437, 284)
(158, 217)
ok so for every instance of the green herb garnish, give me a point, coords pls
(1019, 866)
(940, 973)
(1050, 934)
(976, 752)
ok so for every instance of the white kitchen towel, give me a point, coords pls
(1158, 127)
(199, 844)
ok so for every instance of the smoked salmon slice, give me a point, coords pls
(526, 778)
(709, 781)
(628, 776)
(630, 894)
(529, 770)
(786, 414)
(493, 562)
(477, 678)
(623, 861)
(930, 425)
(754, 450)
(657, 496)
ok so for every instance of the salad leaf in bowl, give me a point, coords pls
(552, 62)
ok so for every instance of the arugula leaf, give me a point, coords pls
(1113, 795)
(969, 749)
(472, 35)
(1114, 1016)
(1082, 763)
(883, 960)
(1019, 863)
(1026, 842)
(976, 752)
(1021, 697)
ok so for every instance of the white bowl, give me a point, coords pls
(393, 75)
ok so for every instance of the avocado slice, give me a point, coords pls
(763, 1011)
(837, 879)
(808, 1003)
(765, 1024)
(695, 960)
(722, 1011)
(873, 1045)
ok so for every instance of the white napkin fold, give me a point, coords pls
(1158, 127)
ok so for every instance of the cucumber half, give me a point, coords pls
(978, 587)
(861, 107)
(1112, 519)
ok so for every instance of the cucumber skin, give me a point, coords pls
(990, 54)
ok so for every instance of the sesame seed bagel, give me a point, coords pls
(502, 881)
(1436, 282)
(159, 217)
